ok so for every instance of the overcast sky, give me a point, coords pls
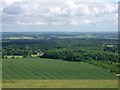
(59, 15)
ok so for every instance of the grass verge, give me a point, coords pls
(60, 84)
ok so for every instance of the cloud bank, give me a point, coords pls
(71, 13)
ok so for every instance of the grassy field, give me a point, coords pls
(15, 38)
(15, 56)
(38, 72)
(60, 83)
(35, 68)
(78, 36)
(18, 56)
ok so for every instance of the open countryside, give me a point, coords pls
(51, 62)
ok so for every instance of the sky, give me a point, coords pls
(59, 15)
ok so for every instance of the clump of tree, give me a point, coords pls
(80, 54)
(111, 66)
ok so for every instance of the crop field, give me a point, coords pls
(47, 69)
(15, 56)
(44, 73)
(15, 38)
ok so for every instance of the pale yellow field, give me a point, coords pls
(60, 84)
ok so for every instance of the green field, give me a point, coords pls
(50, 73)
(15, 56)
(50, 69)
(60, 84)
(16, 38)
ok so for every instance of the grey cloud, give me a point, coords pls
(13, 9)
